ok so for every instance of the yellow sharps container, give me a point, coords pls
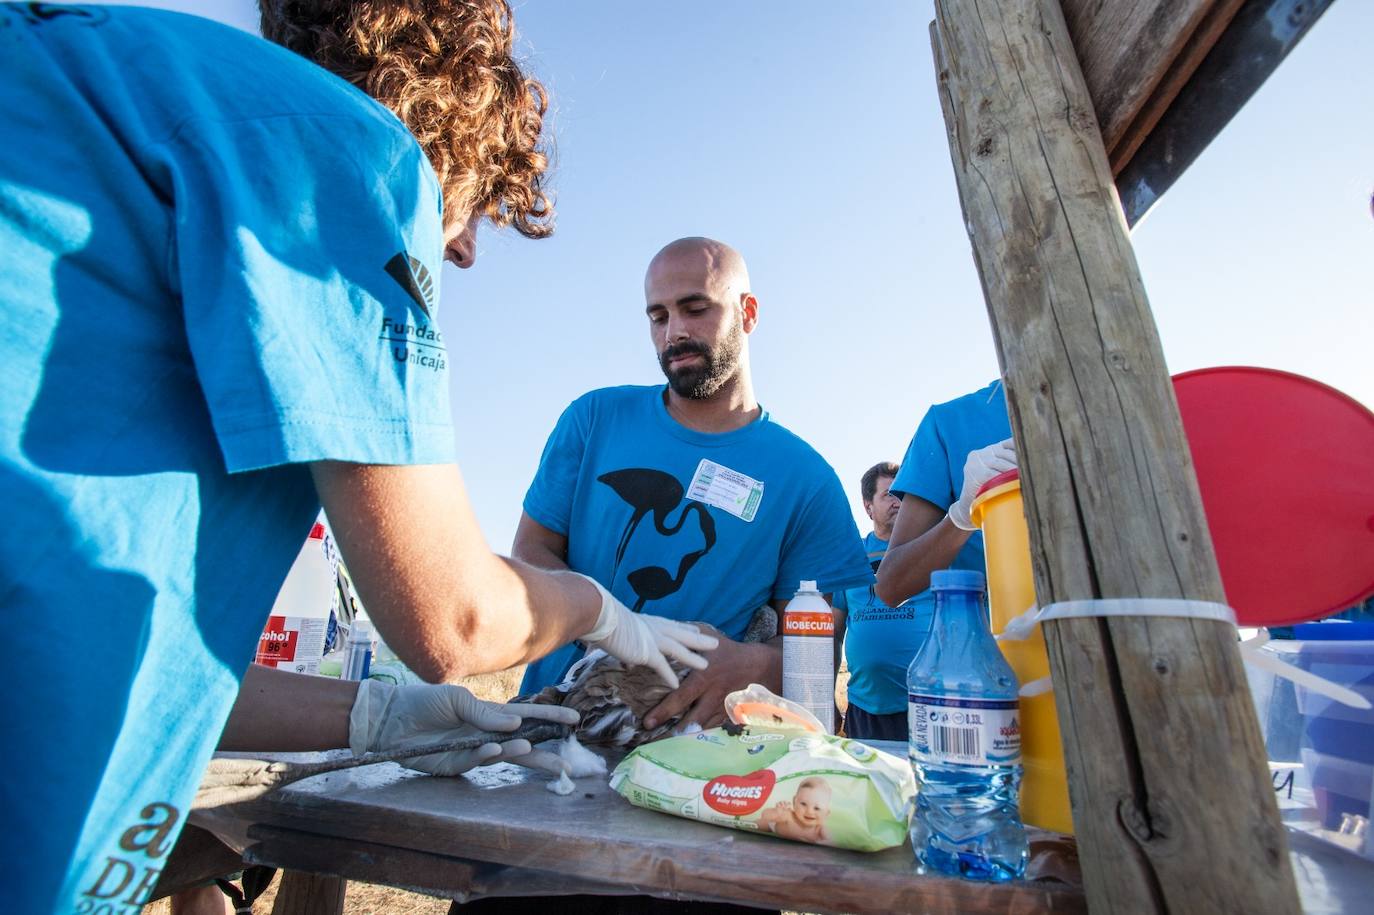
(1011, 591)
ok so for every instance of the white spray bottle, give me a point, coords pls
(808, 654)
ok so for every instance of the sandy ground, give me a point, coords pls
(372, 899)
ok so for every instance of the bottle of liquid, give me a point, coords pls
(357, 662)
(808, 654)
(302, 625)
(965, 741)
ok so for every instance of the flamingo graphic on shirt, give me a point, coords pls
(657, 494)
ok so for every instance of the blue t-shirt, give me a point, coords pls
(217, 261)
(933, 468)
(685, 524)
(880, 641)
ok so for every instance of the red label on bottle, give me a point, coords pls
(802, 622)
(277, 644)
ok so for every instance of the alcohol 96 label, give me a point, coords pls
(968, 732)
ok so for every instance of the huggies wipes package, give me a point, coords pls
(775, 771)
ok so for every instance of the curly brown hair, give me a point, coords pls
(445, 68)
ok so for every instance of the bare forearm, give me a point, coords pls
(568, 608)
(443, 601)
(286, 712)
(906, 568)
(769, 665)
(540, 555)
(503, 613)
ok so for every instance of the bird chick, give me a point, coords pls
(613, 698)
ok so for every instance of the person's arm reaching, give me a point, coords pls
(923, 541)
(925, 538)
(701, 696)
(288, 712)
(734, 665)
(539, 546)
(447, 605)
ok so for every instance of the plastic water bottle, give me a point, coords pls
(808, 654)
(965, 741)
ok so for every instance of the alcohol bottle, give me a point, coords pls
(965, 741)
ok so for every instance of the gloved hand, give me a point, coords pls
(640, 638)
(387, 717)
(982, 465)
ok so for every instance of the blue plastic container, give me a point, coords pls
(1337, 745)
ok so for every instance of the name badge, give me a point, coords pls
(715, 484)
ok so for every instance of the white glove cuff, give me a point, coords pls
(606, 620)
(368, 713)
(959, 517)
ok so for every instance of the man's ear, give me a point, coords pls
(750, 306)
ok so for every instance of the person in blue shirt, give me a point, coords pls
(879, 641)
(958, 446)
(219, 271)
(689, 499)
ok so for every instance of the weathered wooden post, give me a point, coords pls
(1172, 800)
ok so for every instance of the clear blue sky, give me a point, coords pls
(809, 136)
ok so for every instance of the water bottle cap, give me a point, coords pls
(360, 631)
(807, 586)
(957, 580)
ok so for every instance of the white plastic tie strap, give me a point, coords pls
(1022, 627)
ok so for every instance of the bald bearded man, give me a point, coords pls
(688, 500)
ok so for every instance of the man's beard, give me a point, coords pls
(718, 365)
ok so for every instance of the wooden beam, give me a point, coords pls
(309, 894)
(1172, 800)
(1253, 44)
(1209, 30)
(1135, 56)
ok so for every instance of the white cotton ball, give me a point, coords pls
(561, 785)
(581, 761)
(691, 728)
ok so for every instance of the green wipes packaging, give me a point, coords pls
(792, 782)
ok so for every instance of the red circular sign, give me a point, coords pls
(1285, 465)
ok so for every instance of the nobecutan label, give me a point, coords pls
(803, 623)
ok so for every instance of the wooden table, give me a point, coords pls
(498, 832)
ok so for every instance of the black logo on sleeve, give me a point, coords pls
(414, 278)
(655, 492)
(420, 344)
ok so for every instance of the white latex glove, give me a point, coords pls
(640, 638)
(982, 465)
(387, 717)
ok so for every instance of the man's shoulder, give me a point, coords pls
(613, 398)
(971, 402)
(782, 443)
(784, 439)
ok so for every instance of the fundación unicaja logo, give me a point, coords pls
(419, 344)
(414, 279)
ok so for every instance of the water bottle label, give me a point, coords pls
(969, 732)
